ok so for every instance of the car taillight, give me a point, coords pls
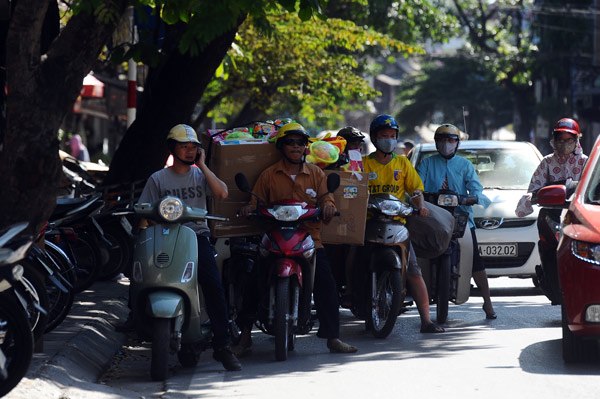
(586, 251)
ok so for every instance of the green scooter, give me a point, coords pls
(166, 300)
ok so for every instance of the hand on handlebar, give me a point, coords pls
(471, 200)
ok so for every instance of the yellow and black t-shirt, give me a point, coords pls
(397, 177)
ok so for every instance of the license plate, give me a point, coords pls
(498, 250)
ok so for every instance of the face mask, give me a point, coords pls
(445, 148)
(386, 145)
(564, 148)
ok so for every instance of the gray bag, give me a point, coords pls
(430, 236)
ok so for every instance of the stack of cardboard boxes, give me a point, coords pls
(251, 157)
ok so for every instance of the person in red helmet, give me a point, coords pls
(563, 166)
(564, 163)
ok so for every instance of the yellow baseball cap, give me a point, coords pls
(183, 134)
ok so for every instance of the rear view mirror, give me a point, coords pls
(552, 196)
(242, 183)
(333, 182)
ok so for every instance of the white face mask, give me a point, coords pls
(445, 148)
(386, 145)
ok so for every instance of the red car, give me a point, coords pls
(578, 257)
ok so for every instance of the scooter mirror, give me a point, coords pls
(242, 183)
(333, 182)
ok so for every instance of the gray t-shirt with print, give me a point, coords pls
(190, 187)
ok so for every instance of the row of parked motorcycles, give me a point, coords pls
(87, 238)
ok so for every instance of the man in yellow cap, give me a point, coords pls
(191, 180)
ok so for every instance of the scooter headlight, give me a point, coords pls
(170, 208)
(287, 213)
(447, 200)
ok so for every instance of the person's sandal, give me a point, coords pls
(432, 328)
(337, 346)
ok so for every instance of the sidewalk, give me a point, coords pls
(80, 349)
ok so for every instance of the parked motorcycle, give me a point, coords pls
(16, 337)
(379, 273)
(286, 267)
(445, 280)
(74, 229)
(549, 226)
(166, 299)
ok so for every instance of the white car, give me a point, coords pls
(507, 243)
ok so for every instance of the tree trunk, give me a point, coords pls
(40, 93)
(170, 94)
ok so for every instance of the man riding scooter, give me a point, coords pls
(564, 164)
(190, 180)
(293, 178)
(448, 171)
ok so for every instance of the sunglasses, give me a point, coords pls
(298, 142)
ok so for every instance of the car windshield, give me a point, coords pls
(501, 168)
(592, 194)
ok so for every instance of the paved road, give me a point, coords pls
(518, 355)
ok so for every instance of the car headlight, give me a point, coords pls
(586, 251)
(171, 208)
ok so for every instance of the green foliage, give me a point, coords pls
(446, 85)
(313, 70)
(411, 21)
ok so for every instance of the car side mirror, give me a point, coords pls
(554, 196)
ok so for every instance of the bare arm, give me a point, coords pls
(216, 185)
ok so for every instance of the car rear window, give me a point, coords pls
(501, 168)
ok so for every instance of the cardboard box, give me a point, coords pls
(351, 199)
(226, 161)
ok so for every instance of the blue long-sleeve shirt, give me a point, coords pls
(462, 178)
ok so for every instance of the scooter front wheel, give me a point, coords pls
(386, 301)
(161, 337)
(282, 318)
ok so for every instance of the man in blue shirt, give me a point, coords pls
(446, 170)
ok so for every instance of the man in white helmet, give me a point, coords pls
(189, 179)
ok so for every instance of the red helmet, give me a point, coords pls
(567, 125)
